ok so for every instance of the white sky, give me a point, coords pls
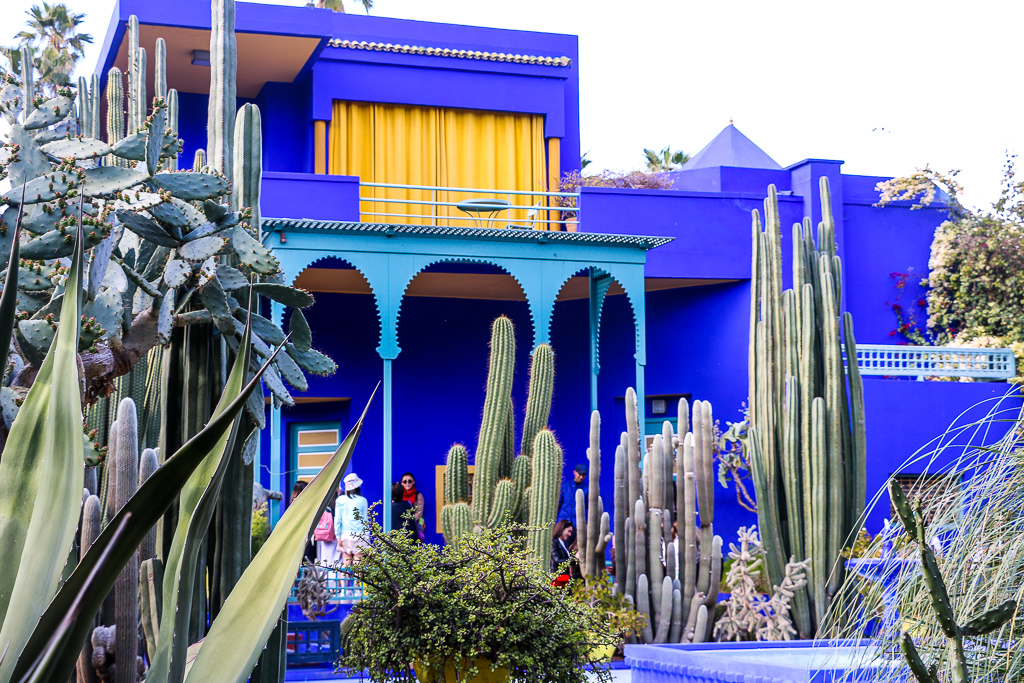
(884, 86)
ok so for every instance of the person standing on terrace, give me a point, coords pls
(350, 518)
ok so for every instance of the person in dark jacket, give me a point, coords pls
(560, 544)
(400, 512)
(567, 501)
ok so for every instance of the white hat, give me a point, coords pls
(352, 481)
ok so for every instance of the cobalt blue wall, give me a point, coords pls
(905, 417)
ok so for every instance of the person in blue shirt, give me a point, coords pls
(350, 516)
(567, 500)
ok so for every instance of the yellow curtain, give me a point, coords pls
(437, 147)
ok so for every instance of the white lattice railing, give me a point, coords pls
(935, 361)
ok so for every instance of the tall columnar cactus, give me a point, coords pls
(676, 485)
(500, 371)
(546, 480)
(91, 518)
(115, 111)
(126, 591)
(221, 113)
(506, 487)
(147, 465)
(986, 622)
(806, 441)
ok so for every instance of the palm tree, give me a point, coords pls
(54, 43)
(665, 160)
(339, 5)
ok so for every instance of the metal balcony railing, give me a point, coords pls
(934, 361)
(468, 207)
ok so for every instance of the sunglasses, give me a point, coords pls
(408, 481)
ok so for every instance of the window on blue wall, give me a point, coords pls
(311, 445)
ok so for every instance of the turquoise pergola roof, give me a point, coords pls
(389, 257)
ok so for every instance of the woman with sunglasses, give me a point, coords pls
(415, 498)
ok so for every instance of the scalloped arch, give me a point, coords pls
(630, 295)
(451, 259)
(362, 274)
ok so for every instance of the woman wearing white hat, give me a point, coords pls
(350, 515)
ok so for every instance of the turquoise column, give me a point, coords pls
(386, 494)
(599, 282)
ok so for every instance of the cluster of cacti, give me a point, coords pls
(507, 487)
(806, 438)
(674, 585)
(988, 621)
(676, 484)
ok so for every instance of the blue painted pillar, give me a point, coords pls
(386, 487)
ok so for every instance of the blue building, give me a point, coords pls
(412, 182)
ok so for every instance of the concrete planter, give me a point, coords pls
(801, 661)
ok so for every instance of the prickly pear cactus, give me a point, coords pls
(166, 249)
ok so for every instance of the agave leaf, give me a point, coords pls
(149, 503)
(197, 503)
(41, 478)
(9, 299)
(45, 666)
(236, 638)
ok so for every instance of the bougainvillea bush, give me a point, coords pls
(975, 295)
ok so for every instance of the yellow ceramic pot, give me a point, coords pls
(602, 653)
(430, 674)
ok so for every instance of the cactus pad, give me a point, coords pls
(301, 335)
(230, 278)
(253, 254)
(110, 179)
(292, 297)
(290, 372)
(202, 249)
(313, 361)
(44, 188)
(49, 113)
(149, 229)
(79, 148)
(192, 186)
(177, 273)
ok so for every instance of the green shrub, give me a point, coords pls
(479, 597)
